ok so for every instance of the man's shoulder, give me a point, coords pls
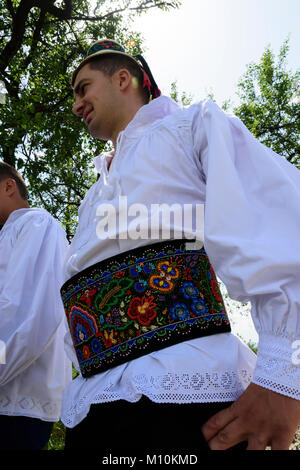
(35, 219)
(189, 113)
(202, 107)
(34, 215)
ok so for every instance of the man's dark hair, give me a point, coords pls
(8, 171)
(111, 63)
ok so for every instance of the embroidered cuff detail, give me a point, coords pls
(278, 365)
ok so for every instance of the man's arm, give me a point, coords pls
(252, 213)
(30, 305)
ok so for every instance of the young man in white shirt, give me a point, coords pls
(34, 368)
(120, 306)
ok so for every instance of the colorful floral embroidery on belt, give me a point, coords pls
(141, 301)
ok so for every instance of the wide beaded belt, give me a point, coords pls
(141, 301)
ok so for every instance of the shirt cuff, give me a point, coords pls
(278, 364)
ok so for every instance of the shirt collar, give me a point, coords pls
(151, 112)
(145, 116)
(101, 160)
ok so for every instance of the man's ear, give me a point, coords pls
(123, 77)
(10, 187)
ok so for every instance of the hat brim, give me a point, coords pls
(91, 57)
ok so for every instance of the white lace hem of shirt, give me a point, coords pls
(170, 388)
(30, 407)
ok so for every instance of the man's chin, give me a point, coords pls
(93, 131)
(97, 134)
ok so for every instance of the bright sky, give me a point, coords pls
(205, 45)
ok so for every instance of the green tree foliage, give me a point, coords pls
(270, 103)
(185, 99)
(41, 42)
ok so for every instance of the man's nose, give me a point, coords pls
(78, 107)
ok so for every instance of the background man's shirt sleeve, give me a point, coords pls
(30, 304)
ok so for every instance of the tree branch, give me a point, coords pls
(18, 30)
(61, 13)
(11, 85)
(275, 128)
(143, 6)
(35, 38)
(20, 18)
(10, 8)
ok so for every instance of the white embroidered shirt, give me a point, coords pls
(201, 155)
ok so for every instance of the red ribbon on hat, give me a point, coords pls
(146, 82)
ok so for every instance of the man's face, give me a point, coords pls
(96, 102)
(4, 200)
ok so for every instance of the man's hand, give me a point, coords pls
(259, 416)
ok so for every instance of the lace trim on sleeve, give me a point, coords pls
(278, 365)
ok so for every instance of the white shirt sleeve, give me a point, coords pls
(31, 308)
(252, 220)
